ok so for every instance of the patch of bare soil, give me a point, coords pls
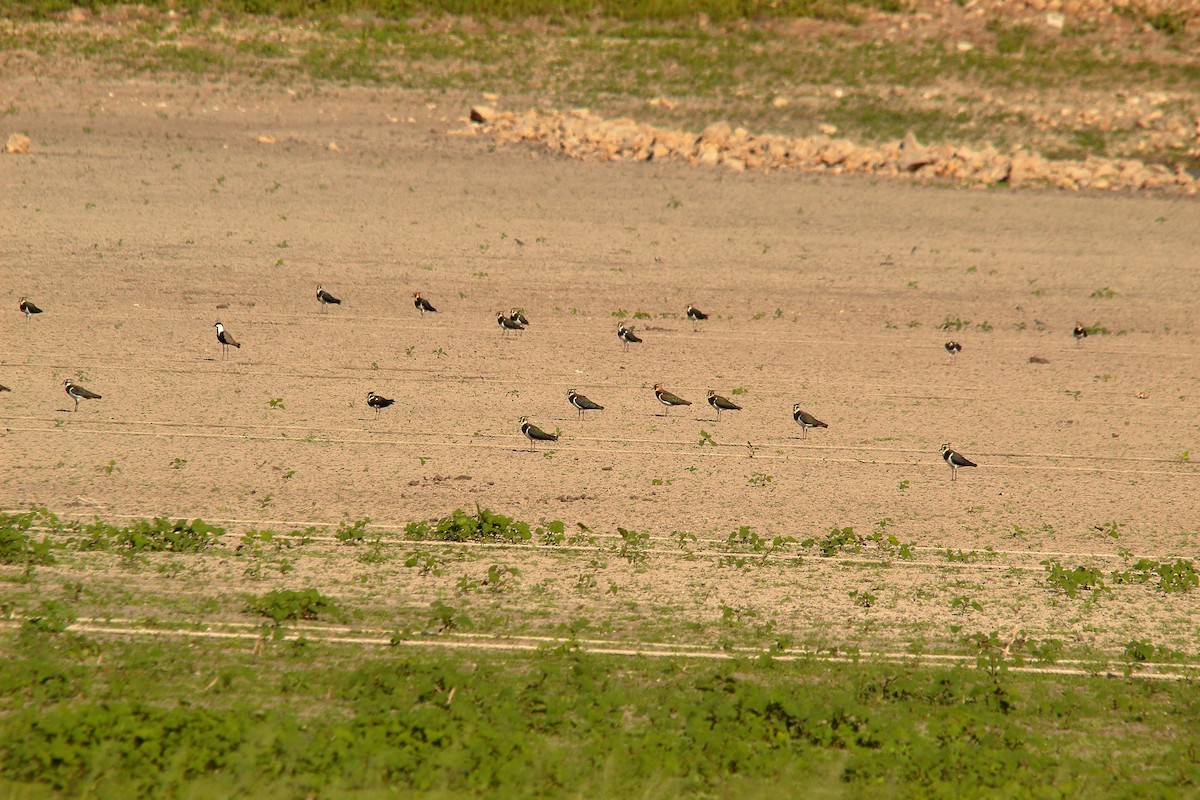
(145, 213)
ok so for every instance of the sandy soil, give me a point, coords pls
(146, 212)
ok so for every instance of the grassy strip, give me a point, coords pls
(169, 719)
(717, 10)
(873, 91)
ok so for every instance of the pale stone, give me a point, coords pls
(17, 143)
(482, 114)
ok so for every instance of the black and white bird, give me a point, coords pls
(326, 299)
(953, 348)
(507, 324)
(627, 336)
(695, 315)
(668, 399)
(582, 403)
(226, 339)
(721, 403)
(422, 304)
(78, 393)
(518, 315)
(535, 434)
(28, 308)
(1080, 332)
(955, 460)
(378, 402)
(805, 420)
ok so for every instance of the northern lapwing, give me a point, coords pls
(955, 460)
(28, 308)
(518, 315)
(535, 434)
(507, 324)
(325, 298)
(805, 420)
(721, 403)
(378, 402)
(953, 348)
(226, 339)
(78, 393)
(422, 304)
(1080, 332)
(582, 403)
(668, 399)
(695, 315)
(627, 336)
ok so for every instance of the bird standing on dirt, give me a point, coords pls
(326, 299)
(78, 393)
(28, 308)
(721, 403)
(668, 399)
(378, 402)
(627, 336)
(422, 304)
(582, 403)
(535, 434)
(226, 339)
(695, 315)
(1080, 332)
(805, 420)
(518, 315)
(955, 460)
(507, 323)
(953, 348)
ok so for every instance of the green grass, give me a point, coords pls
(94, 718)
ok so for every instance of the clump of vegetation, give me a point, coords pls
(17, 545)
(482, 526)
(1169, 577)
(289, 605)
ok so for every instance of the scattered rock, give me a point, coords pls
(1038, 360)
(265, 139)
(579, 134)
(17, 143)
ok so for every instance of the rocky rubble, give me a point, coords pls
(580, 134)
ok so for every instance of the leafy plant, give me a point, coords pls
(838, 540)
(276, 402)
(1074, 581)
(633, 545)
(288, 605)
(759, 480)
(483, 525)
(1172, 576)
(352, 532)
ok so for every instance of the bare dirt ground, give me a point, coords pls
(148, 211)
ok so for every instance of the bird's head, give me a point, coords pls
(658, 387)
(416, 295)
(523, 420)
(570, 392)
(945, 446)
(370, 395)
(68, 383)
(218, 325)
(795, 408)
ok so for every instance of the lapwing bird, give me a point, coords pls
(695, 315)
(78, 393)
(806, 420)
(582, 403)
(953, 348)
(507, 324)
(518, 315)
(1080, 332)
(378, 402)
(226, 339)
(955, 460)
(535, 434)
(721, 403)
(422, 304)
(326, 299)
(668, 399)
(627, 336)
(28, 308)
